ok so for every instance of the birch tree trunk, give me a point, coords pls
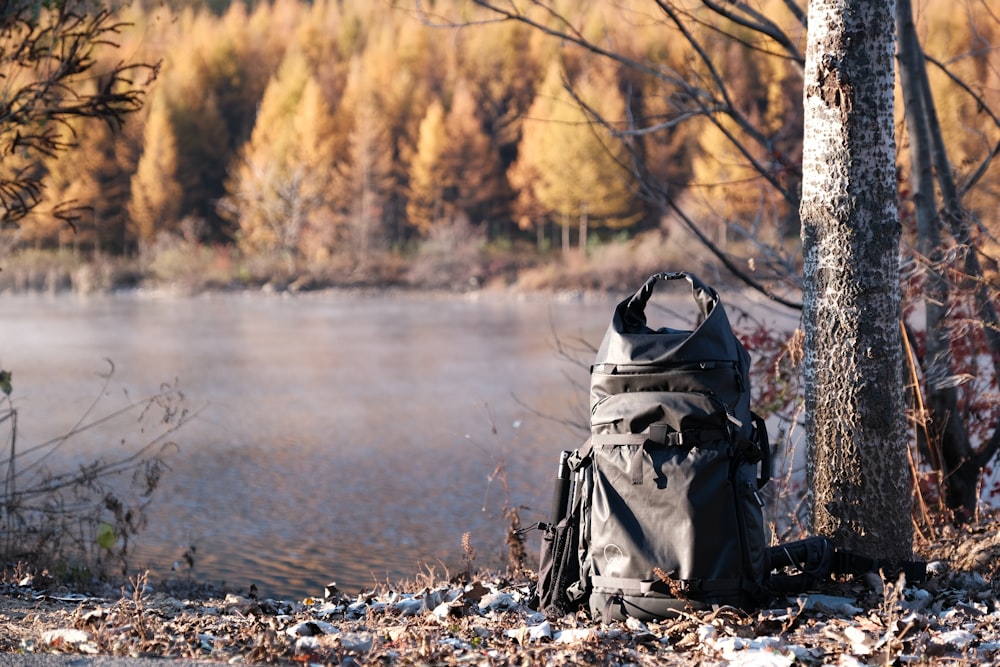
(858, 477)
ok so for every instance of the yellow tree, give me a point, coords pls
(569, 162)
(214, 74)
(667, 153)
(428, 177)
(725, 190)
(472, 161)
(278, 190)
(498, 64)
(50, 59)
(46, 224)
(961, 49)
(406, 64)
(312, 162)
(456, 172)
(201, 135)
(85, 196)
(156, 195)
(729, 188)
(366, 173)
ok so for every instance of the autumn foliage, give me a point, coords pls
(334, 136)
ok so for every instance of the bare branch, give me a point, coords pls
(984, 108)
(748, 17)
(50, 76)
(727, 107)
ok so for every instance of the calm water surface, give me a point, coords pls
(340, 437)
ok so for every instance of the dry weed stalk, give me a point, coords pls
(468, 554)
(133, 606)
(674, 585)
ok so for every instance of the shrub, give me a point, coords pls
(77, 519)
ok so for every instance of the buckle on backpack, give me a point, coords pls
(689, 586)
(750, 450)
(660, 434)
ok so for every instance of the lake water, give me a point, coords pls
(341, 437)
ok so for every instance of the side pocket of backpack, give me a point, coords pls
(750, 509)
(750, 515)
(558, 567)
(562, 585)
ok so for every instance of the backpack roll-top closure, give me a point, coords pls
(630, 339)
(634, 357)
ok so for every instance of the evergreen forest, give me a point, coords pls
(376, 142)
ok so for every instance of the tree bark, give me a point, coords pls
(858, 476)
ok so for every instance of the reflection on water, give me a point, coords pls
(345, 438)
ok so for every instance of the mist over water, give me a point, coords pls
(344, 438)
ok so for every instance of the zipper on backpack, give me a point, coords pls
(651, 369)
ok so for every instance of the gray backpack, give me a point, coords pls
(659, 510)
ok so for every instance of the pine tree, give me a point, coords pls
(366, 179)
(55, 72)
(156, 196)
(572, 164)
(278, 193)
(473, 161)
(216, 71)
(85, 203)
(429, 180)
(313, 151)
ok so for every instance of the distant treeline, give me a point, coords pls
(339, 136)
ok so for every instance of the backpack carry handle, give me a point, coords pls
(633, 315)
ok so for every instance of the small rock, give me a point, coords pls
(359, 642)
(937, 568)
(574, 635)
(541, 631)
(831, 604)
(64, 636)
(954, 639)
(311, 629)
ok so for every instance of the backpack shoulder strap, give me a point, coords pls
(581, 457)
(848, 562)
(815, 559)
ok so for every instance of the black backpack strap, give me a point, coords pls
(763, 445)
(816, 559)
(848, 562)
(813, 558)
(581, 457)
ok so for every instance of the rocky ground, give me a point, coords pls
(953, 618)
